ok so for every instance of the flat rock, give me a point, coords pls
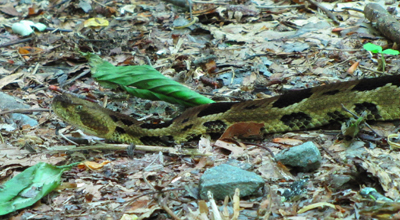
(222, 181)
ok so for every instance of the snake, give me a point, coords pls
(310, 108)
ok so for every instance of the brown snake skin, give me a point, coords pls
(296, 110)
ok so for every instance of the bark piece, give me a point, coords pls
(385, 22)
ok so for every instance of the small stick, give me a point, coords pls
(171, 150)
(374, 71)
(16, 42)
(211, 2)
(327, 11)
(25, 111)
(279, 6)
(163, 203)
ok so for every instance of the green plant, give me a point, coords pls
(373, 48)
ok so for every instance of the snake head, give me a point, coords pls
(85, 115)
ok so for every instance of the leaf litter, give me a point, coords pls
(253, 49)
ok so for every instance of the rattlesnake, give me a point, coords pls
(296, 110)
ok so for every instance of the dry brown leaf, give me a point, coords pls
(243, 130)
(203, 206)
(10, 10)
(9, 79)
(93, 165)
(233, 148)
(211, 66)
(353, 68)
(29, 50)
(316, 205)
(287, 141)
(236, 204)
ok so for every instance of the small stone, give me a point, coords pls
(222, 181)
(305, 157)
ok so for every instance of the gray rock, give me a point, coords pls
(305, 157)
(24, 119)
(340, 181)
(8, 102)
(222, 181)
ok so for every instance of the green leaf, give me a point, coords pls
(373, 48)
(30, 186)
(391, 52)
(144, 82)
(353, 126)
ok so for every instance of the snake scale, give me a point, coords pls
(295, 110)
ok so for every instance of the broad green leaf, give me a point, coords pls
(30, 186)
(144, 82)
(373, 48)
(391, 52)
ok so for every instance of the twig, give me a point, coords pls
(337, 64)
(335, 49)
(196, 19)
(148, 193)
(61, 133)
(163, 203)
(147, 182)
(83, 73)
(16, 42)
(327, 11)
(214, 207)
(170, 150)
(25, 111)
(279, 6)
(333, 158)
(138, 53)
(353, 9)
(52, 30)
(375, 71)
(105, 6)
(210, 2)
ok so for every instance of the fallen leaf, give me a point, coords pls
(96, 22)
(287, 141)
(233, 148)
(10, 10)
(243, 130)
(353, 68)
(93, 165)
(29, 50)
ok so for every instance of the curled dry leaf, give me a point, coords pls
(243, 130)
(93, 165)
(353, 68)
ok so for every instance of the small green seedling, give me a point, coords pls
(378, 49)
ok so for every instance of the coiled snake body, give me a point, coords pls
(296, 110)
